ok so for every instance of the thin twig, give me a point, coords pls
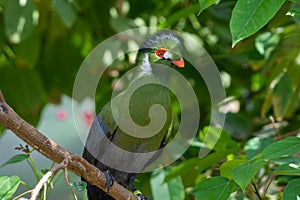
(44, 179)
(256, 191)
(274, 126)
(24, 193)
(272, 176)
(289, 134)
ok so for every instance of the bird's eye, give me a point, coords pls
(160, 52)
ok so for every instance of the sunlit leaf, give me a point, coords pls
(216, 188)
(248, 16)
(288, 169)
(227, 167)
(282, 148)
(170, 190)
(8, 186)
(256, 145)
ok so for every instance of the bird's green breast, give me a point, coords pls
(140, 103)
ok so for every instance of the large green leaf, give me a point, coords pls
(248, 16)
(28, 51)
(15, 159)
(218, 139)
(205, 4)
(282, 148)
(182, 13)
(288, 169)
(20, 18)
(222, 145)
(23, 90)
(65, 11)
(170, 190)
(227, 167)
(292, 190)
(244, 173)
(256, 145)
(282, 93)
(8, 186)
(216, 188)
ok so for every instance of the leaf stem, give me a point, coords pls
(256, 191)
(20, 195)
(34, 168)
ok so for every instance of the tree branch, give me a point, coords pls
(63, 165)
(53, 151)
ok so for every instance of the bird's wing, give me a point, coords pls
(103, 125)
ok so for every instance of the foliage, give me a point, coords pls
(255, 44)
(9, 185)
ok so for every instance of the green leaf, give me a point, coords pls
(282, 148)
(256, 145)
(79, 185)
(215, 188)
(198, 164)
(182, 13)
(218, 139)
(8, 186)
(205, 4)
(266, 42)
(171, 190)
(222, 145)
(28, 51)
(288, 169)
(227, 167)
(292, 190)
(248, 16)
(20, 19)
(294, 10)
(244, 173)
(65, 11)
(282, 93)
(15, 159)
(27, 95)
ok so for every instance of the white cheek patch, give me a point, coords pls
(168, 55)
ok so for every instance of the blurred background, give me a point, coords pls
(43, 43)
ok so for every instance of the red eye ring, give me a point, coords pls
(160, 52)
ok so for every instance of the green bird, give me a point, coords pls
(114, 143)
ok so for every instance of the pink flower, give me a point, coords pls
(61, 114)
(88, 118)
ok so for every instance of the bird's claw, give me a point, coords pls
(110, 180)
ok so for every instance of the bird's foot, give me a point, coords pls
(110, 179)
(135, 191)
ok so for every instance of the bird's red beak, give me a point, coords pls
(178, 63)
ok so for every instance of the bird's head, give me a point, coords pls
(162, 48)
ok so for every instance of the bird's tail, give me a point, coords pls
(94, 193)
